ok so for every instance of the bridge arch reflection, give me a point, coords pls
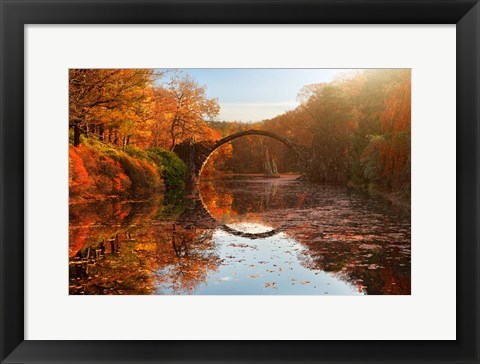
(198, 214)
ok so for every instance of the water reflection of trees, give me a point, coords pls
(127, 248)
(246, 200)
(187, 261)
(349, 238)
(373, 270)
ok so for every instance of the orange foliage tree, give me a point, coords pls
(111, 100)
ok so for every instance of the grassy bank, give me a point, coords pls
(99, 171)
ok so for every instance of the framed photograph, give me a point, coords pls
(240, 181)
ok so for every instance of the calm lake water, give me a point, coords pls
(242, 235)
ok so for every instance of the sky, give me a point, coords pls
(249, 95)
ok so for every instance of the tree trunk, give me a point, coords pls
(101, 132)
(76, 135)
(172, 147)
(172, 134)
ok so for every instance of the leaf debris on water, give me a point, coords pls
(271, 285)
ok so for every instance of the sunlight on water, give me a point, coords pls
(268, 266)
(250, 227)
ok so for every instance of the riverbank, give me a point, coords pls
(99, 171)
(394, 198)
(259, 175)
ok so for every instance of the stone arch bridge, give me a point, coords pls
(195, 154)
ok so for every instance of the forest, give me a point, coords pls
(124, 125)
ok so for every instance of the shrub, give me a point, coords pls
(136, 152)
(98, 170)
(143, 175)
(78, 180)
(141, 154)
(105, 175)
(173, 168)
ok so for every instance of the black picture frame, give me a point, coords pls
(15, 14)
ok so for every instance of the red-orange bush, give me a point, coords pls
(94, 174)
(78, 180)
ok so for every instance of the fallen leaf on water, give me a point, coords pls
(256, 276)
(272, 285)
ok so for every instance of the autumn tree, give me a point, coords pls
(107, 98)
(329, 110)
(190, 109)
(386, 156)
